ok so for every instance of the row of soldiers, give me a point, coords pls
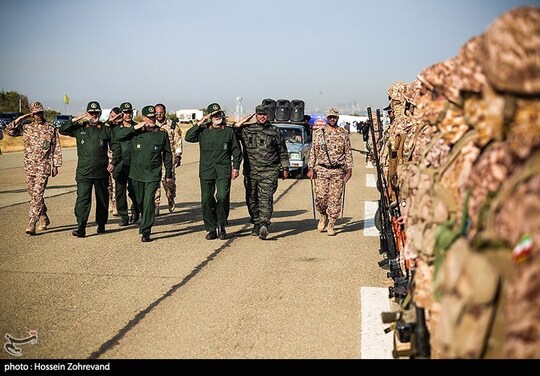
(140, 155)
(462, 160)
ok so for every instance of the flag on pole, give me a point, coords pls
(66, 99)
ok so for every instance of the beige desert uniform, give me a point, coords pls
(42, 152)
(330, 157)
(175, 139)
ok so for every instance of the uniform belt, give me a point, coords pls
(331, 167)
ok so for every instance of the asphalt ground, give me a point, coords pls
(294, 295)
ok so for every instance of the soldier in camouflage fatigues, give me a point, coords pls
(175, 138)
(330, 163)
(42, 157)
(264, 151)
(113, 121)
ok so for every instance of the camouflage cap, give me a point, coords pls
(471, 76)
(93, 107)
(511, 51)
(126, 106)
(148, 111)
(36, 107)
(261, 110)
(395, 91)
(332, 112)
(411, 93)
(213, 108)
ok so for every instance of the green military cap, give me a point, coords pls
(261, 110)
(93, 107)
(126, 106)
(214, 108)
(148, 111)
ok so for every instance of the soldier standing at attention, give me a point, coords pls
(218, 144)
(122, 162)
(175, 139)
(42, 157)
(330, 163)
(150, 149)
(93, 167)
(265, 152)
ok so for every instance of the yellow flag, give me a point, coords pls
(66, 99)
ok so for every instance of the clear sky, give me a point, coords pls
(189, 53)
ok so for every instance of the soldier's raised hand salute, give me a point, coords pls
(80, 117)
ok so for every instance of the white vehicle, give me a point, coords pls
(190, 115)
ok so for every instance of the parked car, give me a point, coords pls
(61, 119)
(298, 140)
(8, 117)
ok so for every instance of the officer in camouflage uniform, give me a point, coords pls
(330, 163)
(175, 139)
(124, 185)
(93, 167)
(150, 149)
(265, 152)
(115, 118)
(42, 157)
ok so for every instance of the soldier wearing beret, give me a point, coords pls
(265, 152)
(150, 149)
(218, 144)
(122, 162)
(42, 157)
(93, 167)
(330, 163)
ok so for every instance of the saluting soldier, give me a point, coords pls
(122, 162)
(93, 167)
(264, 152)
(42, 157)
(150, 149)
(175, 139)
(330, 163)
(218, 144)
(114, 120)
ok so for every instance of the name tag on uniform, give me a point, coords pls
(138, 146)
(83, 132)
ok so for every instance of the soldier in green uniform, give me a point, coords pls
(264, 152)
(93, 168)
(217, 144)
(150, 149)
(122, 161)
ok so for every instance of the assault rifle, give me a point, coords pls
(386, 233)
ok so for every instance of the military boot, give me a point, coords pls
(172, 205)
(44, 222)
(322, 222)
(330, 229)
(31, 229)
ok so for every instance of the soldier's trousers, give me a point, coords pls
(215, 205)
(35, 185)
(112, 191)
(328, 192)
(145, 193)
(260, 189)
(123, 189)
(170, 188)
(84, 201)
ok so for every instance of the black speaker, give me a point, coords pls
(271, 104)
(283, 110)
(297, 110)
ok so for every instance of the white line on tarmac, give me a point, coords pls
(375, 343)
(371, 182)
(370, 207)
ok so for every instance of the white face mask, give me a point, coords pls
(217, 121)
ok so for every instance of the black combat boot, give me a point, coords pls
(211, 235)
(222, 234)
(255, 230)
